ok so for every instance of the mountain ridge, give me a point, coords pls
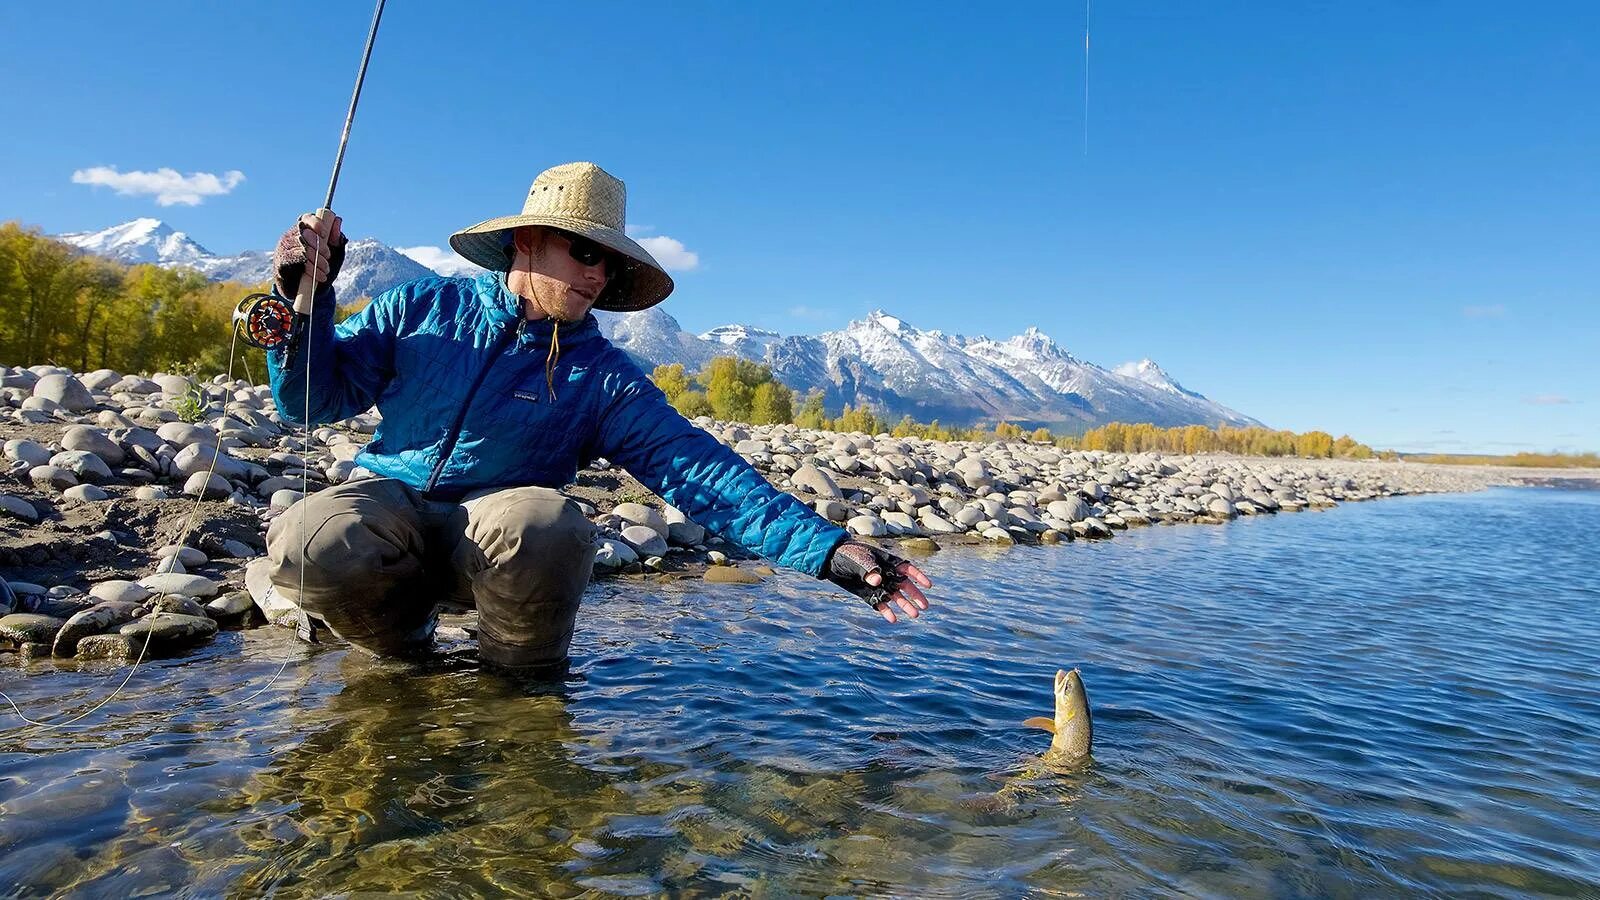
(881, 360)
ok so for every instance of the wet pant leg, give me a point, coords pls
(361, 545)
(524, 559)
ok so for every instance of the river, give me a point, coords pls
(1387, 698)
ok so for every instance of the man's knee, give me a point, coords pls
(363, 533)
(529, 528)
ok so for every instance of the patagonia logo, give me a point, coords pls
(532, 396)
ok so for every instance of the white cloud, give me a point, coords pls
(671, 253)
(446, 262)
(166, 185)
(809, 312)
(1548, 400)
(1491, 311)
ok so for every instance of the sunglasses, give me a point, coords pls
(589, 253)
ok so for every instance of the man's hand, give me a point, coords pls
(315, 237)
(878, 577)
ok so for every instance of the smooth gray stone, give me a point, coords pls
(184, 585)
(101, 617)
(85, 493)
(65, 390)
(170, 631)
(645, 540)
(119, 591)
(31, 452)
(177, 603)
(816, 481)
(19, 508)
(93, 440)
(640, 514)
(30, 628)
(230, 606)
(114, 646)
(52, 477)
(83, 464)
(207, 487)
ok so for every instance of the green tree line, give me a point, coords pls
(64, 307)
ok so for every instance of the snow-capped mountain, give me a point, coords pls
(140, 241)
(901, 370)
(880, 360)
(370, 266)
(742, 340)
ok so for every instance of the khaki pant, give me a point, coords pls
(379, 560)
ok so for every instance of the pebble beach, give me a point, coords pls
(133, 509)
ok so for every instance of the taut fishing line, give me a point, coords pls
(265, 321)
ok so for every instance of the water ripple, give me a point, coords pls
(1390, 698)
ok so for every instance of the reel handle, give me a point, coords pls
(308, 286)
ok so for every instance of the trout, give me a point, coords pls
(1072, 727)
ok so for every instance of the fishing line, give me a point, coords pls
(1086, 76)
(264, 326)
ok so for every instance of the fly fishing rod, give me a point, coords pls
(263, 320)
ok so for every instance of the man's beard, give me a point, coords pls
(550, 298)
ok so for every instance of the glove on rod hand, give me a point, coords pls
(878, 577)
(306, 241)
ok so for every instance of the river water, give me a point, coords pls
(1388, 698)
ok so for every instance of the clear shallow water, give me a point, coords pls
(1387, 698)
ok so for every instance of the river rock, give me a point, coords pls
(919, 545)
(818, 482)
(101, 617)
(189, 556)
(93, 440)
(115, 646)
(207, 487)
(65, 390)
(83, 464)
(177, 603)
(172, 385)
(973, 472)
(644, 540)
(866, 525)
(938, 524)
(169, 631)
(613, 554)
(19, 508)
(118, 591)
(30, 628)
(680, 531)
(84, 493)
(1072, 509)
(731, 575)
(31, 452)
(183, 585)
(639, 514)
(230, 606)
(200, 457)
(150, 492)
(51, 477)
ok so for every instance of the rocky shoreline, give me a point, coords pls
(126, 530)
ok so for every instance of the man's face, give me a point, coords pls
(562, 283)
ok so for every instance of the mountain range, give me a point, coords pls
(880, 360)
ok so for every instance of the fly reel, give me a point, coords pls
(263, 321)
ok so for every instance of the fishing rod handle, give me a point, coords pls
(308, 284)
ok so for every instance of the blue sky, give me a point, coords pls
(1373, 218)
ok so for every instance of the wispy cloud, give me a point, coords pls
(445, 262)
(1548, 400)
(671, 253)
(809, 312)
(166, 185)
(1489, 311)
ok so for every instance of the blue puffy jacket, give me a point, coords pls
(460, 379)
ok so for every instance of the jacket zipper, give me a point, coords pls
(511, 335)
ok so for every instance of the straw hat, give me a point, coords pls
(584, 199)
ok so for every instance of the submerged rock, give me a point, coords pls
(30, 628)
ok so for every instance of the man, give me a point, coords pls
(494, 391)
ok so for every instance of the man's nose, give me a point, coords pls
(595, 273)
